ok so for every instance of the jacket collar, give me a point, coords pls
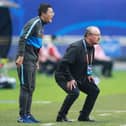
(87, 45)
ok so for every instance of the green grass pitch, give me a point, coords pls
(109, 110)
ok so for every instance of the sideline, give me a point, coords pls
(14, 102)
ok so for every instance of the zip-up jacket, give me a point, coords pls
(31, 39)
(73, 65)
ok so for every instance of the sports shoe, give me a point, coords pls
(24, 119)
(62, 119)
(86, 119)
(32, 118)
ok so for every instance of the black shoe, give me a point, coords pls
(62, 119)
(85, 119)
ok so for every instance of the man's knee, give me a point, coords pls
(74, 93)
(94, 92)
(97, 91)
(27, 88)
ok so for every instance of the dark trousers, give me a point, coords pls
(26, 75)
(90, 89)
(107, 67)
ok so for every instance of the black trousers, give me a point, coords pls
(90, 89)
(27, 74)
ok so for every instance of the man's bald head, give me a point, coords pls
(92, 30)
(92, 35)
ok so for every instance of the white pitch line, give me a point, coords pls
(52, 124)
(105, 114)
(14, 102)
(105, 111)
(112, 111)
(48, 124)
(7, 101)
(42, 102)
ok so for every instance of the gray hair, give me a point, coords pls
(91, 29)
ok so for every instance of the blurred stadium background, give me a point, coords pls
(71, 18)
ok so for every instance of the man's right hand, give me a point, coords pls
(19, 60)
(71, 84)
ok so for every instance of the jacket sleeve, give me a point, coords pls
(69, 59)
(23, 37)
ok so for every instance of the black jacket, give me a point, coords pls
(31, 40)
(74, 63)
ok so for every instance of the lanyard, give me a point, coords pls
(87, 56)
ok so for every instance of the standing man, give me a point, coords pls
(29, 44)
(74, 74)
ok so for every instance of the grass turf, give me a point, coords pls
(110, 108)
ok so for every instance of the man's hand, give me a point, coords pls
(90, 78)
(71, 84)
(19, 60)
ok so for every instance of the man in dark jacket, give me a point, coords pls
(74, 74)
(29, 44)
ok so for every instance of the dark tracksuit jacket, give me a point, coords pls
(29, 44)
(74, 64)
(31, 40)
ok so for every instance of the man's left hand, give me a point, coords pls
(90, 78)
